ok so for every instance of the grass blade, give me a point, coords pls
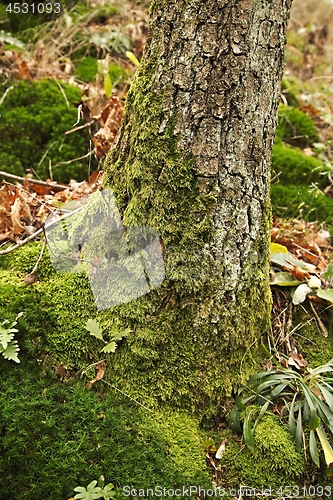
(327, 395)
(328, 367)
(258, 376)
(327, 449)
(262, 412)
(277, 390)
(240, 405)
(325, 414)
(314, 420)
(314, 449)
(248, 434)
(234, 421)
(299, 430)
(291, 418)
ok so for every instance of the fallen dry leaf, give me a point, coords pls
(15, 215)
(24, 71)
(297, 273)
(297, 360)
(100, 367)
(111, 117)
(221, 449)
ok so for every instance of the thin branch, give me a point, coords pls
(80, 127)
(39, 258)
(46, 152)
(127, 395)
(63, 92)
(114, 387)
(321, 325)
(37, 233)
(35, 181)
(5, 94)
(23, 242)
(320, 77)
(74, 159)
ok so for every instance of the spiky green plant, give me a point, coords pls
(307, 400)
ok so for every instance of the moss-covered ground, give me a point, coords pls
(72, 434)
(56, 435)
(299, 179)
(34, 118)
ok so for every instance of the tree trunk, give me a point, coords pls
(192, 160)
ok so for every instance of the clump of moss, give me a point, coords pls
(87, 69)
(295, 127)
(293, 167)
(56, 435)
(275, 461)
(298, 189)
(300, 201)
(56, 308)
(34, 117)
(104, 13)
(117, 74)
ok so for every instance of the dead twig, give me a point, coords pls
(39, 258)
(5, 94)
(80, 127)
(23, 242)
(74, 159)
(321, 325)
(59, 187)
(37, 233)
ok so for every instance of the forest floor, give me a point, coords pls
(97, 50)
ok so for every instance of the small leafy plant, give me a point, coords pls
(296, 275)
(306, 398)
(92, 491)
(95, 329)
(9, 347)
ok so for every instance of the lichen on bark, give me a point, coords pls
(192, 161)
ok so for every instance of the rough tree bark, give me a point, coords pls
(192, 160)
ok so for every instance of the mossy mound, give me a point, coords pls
(34, 117)
(300, 201)
(87, 69)
(57, 435)
(55, 308)
(298, 190)
(118, 74)
(275, 462)
(293, 167)
(295, 127)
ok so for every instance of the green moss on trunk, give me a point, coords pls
(193, 340)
